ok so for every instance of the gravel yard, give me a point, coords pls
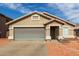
(56, 48)
(39, 48)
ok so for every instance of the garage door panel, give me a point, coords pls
(29, 33)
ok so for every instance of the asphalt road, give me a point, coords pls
(24, 48)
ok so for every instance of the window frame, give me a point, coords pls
(65, 31)
(35, 19)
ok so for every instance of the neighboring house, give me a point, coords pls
(40, 26)
(3, 27)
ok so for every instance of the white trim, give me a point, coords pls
(69, 36)
(10, 37)
(48, 37)
(60, 37)
(10, 28)
(66, 26)
(28, 26)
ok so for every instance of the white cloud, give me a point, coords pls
(51, 4)
(24, 10)
(16, 6)
(71, 10)
(13, 6)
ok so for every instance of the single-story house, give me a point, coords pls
(3, 27)
(40, 26)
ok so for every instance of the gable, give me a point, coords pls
(59, 19)
(26, 16)
(27, 21)
(54, 24)
(54, 21)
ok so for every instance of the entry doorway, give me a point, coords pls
(54, 32)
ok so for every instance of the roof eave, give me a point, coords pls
(25, 16)
(59, 18)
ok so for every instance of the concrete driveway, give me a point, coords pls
(24, 48)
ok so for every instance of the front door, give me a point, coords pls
(54, 32)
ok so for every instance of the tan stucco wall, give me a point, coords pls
(71, 31)
(28, 22)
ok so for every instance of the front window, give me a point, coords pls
(35, 17)
(66, 31)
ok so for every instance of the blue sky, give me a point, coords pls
(66, 11)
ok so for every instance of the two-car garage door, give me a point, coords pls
(23, 33)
